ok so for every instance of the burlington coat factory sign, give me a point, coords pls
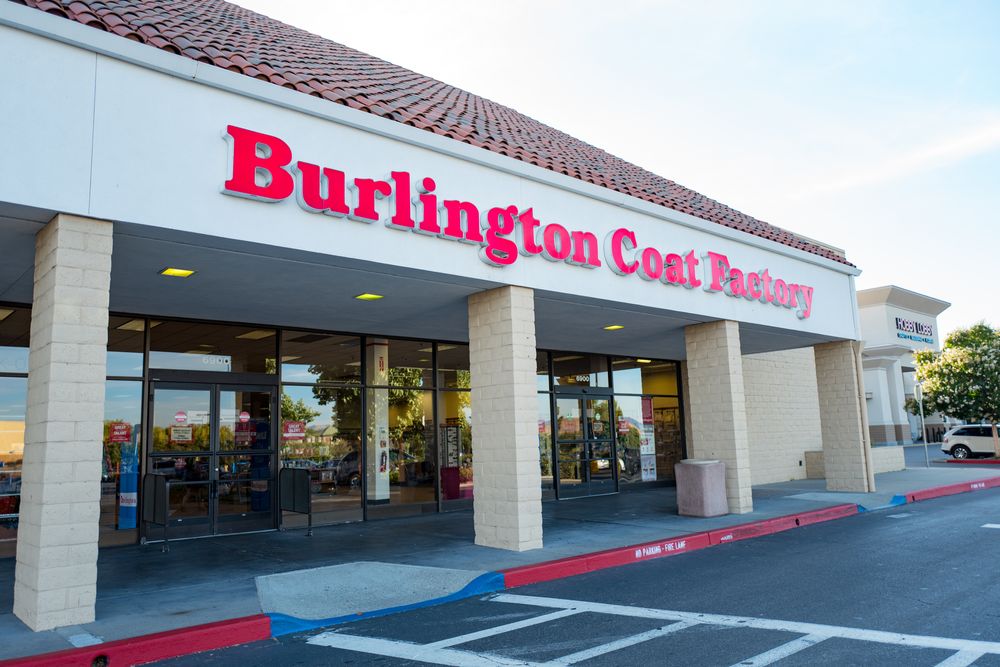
(261, 167)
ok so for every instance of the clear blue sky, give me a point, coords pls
(873, 126)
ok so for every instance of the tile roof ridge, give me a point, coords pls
(256, 45)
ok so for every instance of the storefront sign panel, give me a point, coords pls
(535, 228)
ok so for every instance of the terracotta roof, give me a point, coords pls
(228, 36)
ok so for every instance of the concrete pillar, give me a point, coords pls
(717, 405)
(880, 424)
(55, 582)
(508, 480)
(843, 419)
(900, 422)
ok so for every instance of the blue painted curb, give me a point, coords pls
(896, 501)
(283, 624)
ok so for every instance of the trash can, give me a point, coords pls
(701, 488)
(450, 482)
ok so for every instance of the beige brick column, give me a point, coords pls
(718, 405)
(508, 480)
(55, 582)
(843, 417)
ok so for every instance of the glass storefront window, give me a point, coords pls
(453, 366)
(579, 370)
(399, 363)
(15, 325)
(195, 346)
(542, 374)
(321, 431)
(545, 442)
(320, 358)
(126, 346)
(667, 432)
(120, 465)
(13, 398)
(649, 437)
(644, 376)
(182, 420)
(455, 433)
(400, 448)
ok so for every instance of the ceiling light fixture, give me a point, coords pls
(643, 361)
(177, 273)
(614, 327)
(131, 325)
(368, 297)
(257, 334)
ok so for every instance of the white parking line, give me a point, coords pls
(967, 651)
(990, 525)
(406, 650)
(618, 644)
(500, 629)
(960, 659)
(860, 634)
(779, 652)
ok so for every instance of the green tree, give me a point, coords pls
(963, 380)
(296, 411)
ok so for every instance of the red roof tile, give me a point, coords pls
(237, 39)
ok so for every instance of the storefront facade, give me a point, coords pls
(895, 322)
(211, 278)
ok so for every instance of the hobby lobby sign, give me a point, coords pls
(261, 167)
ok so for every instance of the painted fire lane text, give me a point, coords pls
(261, 167)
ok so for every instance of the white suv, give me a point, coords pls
(965, 442)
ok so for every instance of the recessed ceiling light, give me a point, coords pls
(368, 297)
(177, 273)
(442, 347)
(257, 334)
(643, 361)
(5, 313)
(614, 327)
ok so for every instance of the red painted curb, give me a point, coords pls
(160, 646)
(975, 462)
(573, 565)
(952, 489)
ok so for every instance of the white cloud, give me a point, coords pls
(977, 140)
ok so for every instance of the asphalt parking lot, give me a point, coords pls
(910, 586)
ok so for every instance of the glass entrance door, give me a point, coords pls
(585, 447)
(215, 445)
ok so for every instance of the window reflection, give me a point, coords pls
(120, 465)
(321, 432)
(13, 397)
(126, 345)
(579, 370)
(312, 357)
(453, 366)
(455, 433)
(400, 447)
(196, 346)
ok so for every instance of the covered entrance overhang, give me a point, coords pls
(241, 282)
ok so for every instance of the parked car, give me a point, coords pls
(347, 473)
(971, 441)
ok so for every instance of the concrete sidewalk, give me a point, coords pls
(142, 590)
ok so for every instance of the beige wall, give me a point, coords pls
(782, 413)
